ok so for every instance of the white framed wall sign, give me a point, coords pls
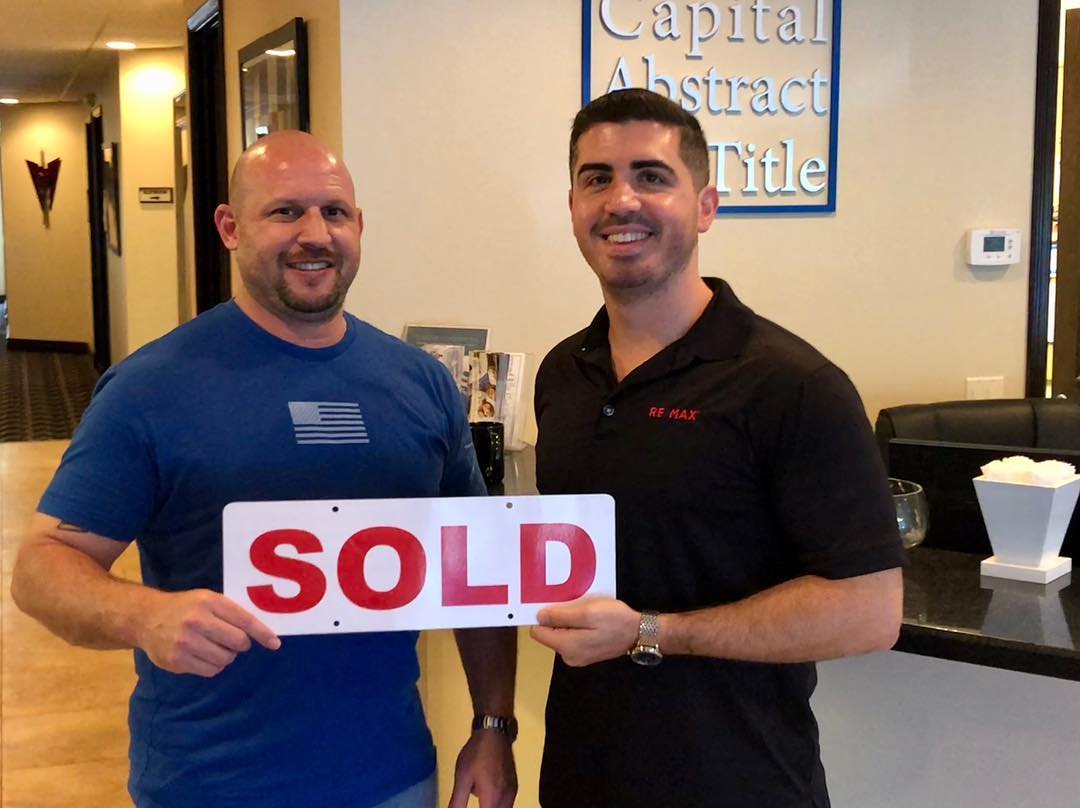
(762, 79)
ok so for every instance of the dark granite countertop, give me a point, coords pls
(950, 610)
(953, 612)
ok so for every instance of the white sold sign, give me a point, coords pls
(322, 566)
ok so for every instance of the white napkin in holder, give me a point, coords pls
(1026, 523)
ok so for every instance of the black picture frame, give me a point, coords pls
(110, 186)
(274, 82)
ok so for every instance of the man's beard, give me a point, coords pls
(317, 309)
(628, 287)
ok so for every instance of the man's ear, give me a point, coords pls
(570, 199)
(225, 222)
(360, 220)
(708, 202)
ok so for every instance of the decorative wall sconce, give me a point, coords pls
(44, 177)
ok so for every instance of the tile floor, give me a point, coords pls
(63, 730)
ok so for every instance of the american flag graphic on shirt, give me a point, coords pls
(327, 422)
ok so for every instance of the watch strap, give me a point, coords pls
(503, 725)
(648, 628)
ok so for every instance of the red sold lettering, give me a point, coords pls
(534, 585)
(456, 589)
(350, 568)
(266, 560)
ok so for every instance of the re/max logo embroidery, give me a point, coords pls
(673, 413)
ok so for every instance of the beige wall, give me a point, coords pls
(149, 80)
(48, 270)
(457, 135)
(455, 121)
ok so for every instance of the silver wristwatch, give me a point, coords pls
(503, 725)
(646, 650)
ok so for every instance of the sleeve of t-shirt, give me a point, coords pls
(461, 472)
(830, 487)
(107, 479)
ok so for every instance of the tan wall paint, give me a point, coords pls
(48, 270)
(149, 80)
(455, 122)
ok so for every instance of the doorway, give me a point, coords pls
(1064, 298)
(99, 263)
(209, 153)
(1054, 279)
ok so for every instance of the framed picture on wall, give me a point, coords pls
(274, 82)
(110, 185)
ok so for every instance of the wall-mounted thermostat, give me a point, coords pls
(993, 248)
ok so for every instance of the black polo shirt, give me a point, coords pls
(739, 457)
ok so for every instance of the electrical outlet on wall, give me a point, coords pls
(979, 387)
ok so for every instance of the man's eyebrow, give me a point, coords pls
(640, 164)
(289, 202)
(593, 167)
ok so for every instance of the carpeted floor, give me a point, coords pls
(42, 395)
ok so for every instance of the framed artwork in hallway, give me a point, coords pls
(274, 82)
(110, 183)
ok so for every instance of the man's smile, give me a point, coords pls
(309, 266)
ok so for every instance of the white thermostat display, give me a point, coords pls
(993, 248)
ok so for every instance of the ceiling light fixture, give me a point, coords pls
(120, 44)
(281, 52)
(9, 100)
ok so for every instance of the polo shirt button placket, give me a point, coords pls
(605, 424)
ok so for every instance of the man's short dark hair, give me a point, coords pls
(636, 104)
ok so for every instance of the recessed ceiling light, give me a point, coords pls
(120, 44)
(281, 52)
(9, 100)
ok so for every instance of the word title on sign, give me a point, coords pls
(761, 78)
(321, 566)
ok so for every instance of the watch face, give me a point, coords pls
(648, 655)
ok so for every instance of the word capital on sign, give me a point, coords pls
(321, 566)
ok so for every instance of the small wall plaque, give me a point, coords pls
(156, 195)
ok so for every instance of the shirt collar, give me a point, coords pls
(720, 332)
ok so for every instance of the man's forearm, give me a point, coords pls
(75, 598)
(802, 620)
(489, 657)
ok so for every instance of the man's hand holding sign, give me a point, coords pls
(199, 631)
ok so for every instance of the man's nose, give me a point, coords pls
(621, 198)
(313, 229)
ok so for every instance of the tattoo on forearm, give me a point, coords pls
(71, 528)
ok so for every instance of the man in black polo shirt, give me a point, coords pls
(755, 532)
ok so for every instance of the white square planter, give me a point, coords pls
(1026, 524)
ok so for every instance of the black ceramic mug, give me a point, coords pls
(487, 437)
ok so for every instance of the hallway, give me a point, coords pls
(64, 733)
(42, 394)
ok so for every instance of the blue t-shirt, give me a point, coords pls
(219, 411)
